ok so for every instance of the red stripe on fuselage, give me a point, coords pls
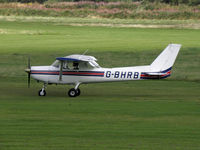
(45, 72)
(83, 73)
(67, 73)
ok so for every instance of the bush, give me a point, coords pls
(133, 10)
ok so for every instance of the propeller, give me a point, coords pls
(28, 70)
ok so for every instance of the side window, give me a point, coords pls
(88, 65)
(71, 65)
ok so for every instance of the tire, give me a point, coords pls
(42, 93)
(72, 93)
(78, 92)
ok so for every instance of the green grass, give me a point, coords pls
(145, 115)
(106, 116)
(126, 46)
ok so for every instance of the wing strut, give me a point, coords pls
(61, 70)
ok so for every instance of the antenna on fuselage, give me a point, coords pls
(85, 51)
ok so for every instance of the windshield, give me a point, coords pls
(56, 64)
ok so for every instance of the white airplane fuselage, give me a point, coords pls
(50, 74)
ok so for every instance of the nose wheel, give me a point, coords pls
(74, 92)
(42, 92)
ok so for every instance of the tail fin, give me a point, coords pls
(166, 59)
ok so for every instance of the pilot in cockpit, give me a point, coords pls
(75, 65)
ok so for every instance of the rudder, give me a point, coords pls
(166, 58)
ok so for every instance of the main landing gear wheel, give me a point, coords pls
(78, 92)
(74, 93)
(42, 92)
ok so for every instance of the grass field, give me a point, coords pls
(140, 115)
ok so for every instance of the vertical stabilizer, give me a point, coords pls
(166, 59)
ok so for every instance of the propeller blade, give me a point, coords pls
(29, 63)
(29, 79)
(28, 70)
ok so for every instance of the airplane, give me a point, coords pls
(82, 69)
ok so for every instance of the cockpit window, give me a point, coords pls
(56, 64)
(65, 65)
(72, 65)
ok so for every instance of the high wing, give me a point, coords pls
(77, 58)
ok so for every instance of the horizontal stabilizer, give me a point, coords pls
(155, 73)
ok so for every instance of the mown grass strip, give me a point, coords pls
(95, 21)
